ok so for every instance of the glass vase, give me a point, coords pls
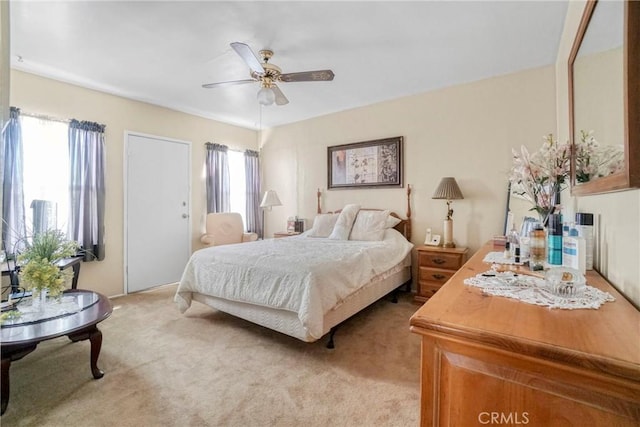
(39, 299)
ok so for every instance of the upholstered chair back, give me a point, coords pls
(224, 229)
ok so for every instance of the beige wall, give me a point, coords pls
(466, 131)
(4, 75)
(39, 95)
(598, 83)
(4, 63)
(618, 214)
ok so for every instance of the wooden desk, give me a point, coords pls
(73, 262)
(490, 358)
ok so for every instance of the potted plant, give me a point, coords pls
(38, 270)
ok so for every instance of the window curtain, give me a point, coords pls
(252, 176)
(217, 178)
(13, 216)
(86, 187)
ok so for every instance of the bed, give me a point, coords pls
(305, 285)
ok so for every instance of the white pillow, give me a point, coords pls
(323, 225)
(345, 221)
(392, 221)
(369, 225)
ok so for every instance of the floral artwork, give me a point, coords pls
(366, 164)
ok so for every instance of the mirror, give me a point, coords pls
(604, 107)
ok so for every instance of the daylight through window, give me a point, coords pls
(237, 184)
(46, 174)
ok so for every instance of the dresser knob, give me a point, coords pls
(438, 276)
(438, 261)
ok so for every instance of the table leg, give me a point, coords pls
(6, 363)
(95, 337)
(9, 354)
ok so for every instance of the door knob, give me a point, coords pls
(185, 216)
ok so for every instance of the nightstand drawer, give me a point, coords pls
(428, 291)
(435, 276)
(440, 260)
(436, 265)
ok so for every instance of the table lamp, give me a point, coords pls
(269, 200)
(448, 190)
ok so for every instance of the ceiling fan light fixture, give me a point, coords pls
(266, 96)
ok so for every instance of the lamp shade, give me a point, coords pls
(266, 96)
(448, 189)
(270, 199)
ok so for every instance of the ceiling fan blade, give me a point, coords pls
(230, 83)
(248, 56)
(280, 98)
(308, 76)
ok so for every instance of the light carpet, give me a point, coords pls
(207, 368)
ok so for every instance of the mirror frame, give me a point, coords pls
(630, 177)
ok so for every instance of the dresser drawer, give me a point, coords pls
(451, 261)
(434, 276)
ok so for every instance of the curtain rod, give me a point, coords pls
(242, 150)
(44, 117)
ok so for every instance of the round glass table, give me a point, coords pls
(76, 316)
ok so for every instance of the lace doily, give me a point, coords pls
(499, 258)
(534, 290)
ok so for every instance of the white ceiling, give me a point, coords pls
(162, 52)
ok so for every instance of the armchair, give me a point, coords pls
(225, 228)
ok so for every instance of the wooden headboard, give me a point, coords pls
(403, 227)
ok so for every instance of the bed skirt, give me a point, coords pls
(287, 322)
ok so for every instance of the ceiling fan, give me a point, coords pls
(268, 74)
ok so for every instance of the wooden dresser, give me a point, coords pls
(490, 360)
(436, 265)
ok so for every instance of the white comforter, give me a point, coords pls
(306, 275)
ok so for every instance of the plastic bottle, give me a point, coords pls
(537, 248)
(554, 240)
(574, 251)
(584, 224)
(524, 248)
(514, 242)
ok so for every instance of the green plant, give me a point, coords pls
(38, 269)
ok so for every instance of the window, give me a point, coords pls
(45, 173)
(237, 184)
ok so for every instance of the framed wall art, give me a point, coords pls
(367, 164)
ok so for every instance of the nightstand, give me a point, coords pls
(436, 265)
(278, 234)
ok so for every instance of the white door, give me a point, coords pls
(157, 210)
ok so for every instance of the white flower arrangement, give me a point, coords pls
(541, 176)
(594, 160)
